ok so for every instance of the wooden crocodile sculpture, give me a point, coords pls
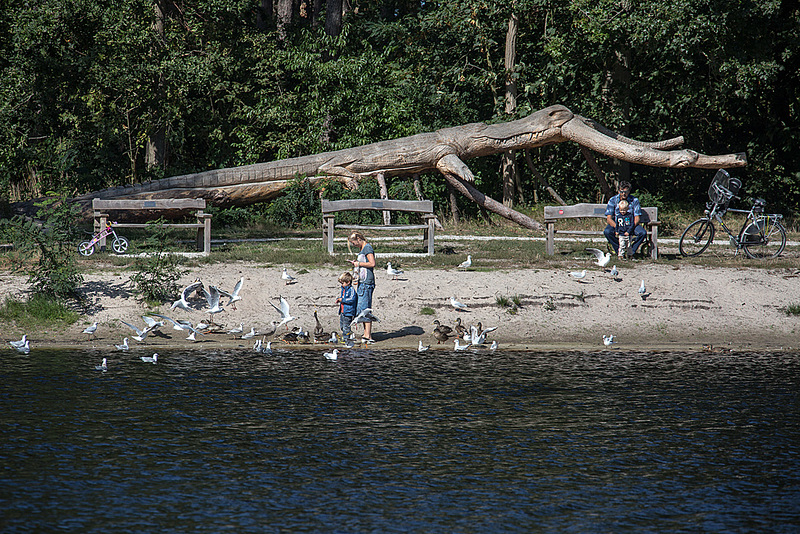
(444, 150)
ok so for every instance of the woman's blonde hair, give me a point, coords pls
(353, 237)
(345, 277)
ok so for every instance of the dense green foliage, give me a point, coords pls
(86, 86)
(157, 273)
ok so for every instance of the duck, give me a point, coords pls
(460, 328)
(440, 336)
(442, 327)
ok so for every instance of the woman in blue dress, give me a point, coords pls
(365, 265)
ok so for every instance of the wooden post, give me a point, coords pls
(387, 215)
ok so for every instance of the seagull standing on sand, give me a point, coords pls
(643, 291)
(234, 296)
(391, 271)
(285, 315)
(288, 278)
(250, 334)
(124, 345)
(578, 275)
(422, 348)
(151, 359)
(458, 306)
(238, 330)
(182, 303)
(614, 272)
(466, 264)
(90, 330)
(459, 346)
(608, 340)
(332, 355)
(602, 259)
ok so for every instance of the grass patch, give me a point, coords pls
(36, 313)
(427, 311)
(792, 309)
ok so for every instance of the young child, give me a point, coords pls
(347, 303)
(625, 226)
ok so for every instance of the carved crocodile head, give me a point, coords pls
(542, 127)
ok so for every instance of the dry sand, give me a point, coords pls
(687, 307)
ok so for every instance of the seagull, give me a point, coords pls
(212, 297)
(233, 297)
(140, 334)
(642, 291)
(421, 347)
(391, 271)
(124, 345)
(182, 303)
(457, 305)
(267, 349)
(287, 277)
(578, 275)
(482, 330)
(151, 323)
(459, 346)
(21, 343)
(250, 334)
(602, 259)
(614, 272)
(237, 330)
(493, 346)
(466, 264)
(102, 367)
(24, 349)
(334, 338)
(477, 338)
(608, 340)
(90, 330)
(364, 317)
(285, 315)
(332, 355)
(151, 359)
(183, 325)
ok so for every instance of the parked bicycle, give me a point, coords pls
(762, 235)
(119, 243)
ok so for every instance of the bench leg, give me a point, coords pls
(428, 239)
(328, 226)
(101, 245)
(550, 243)
(654, 241)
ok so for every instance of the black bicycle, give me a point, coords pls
(762, 235)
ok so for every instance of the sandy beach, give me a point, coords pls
(686, 307)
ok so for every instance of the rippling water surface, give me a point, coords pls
(395, 441)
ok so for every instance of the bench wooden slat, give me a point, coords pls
(383, 226)
(356, 204)
(158, 204)
(171, 225)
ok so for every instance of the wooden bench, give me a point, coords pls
(648, 220)
(423, 207)
(103, 207)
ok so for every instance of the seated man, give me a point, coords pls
(612, 216)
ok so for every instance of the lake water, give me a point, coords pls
(396, 441)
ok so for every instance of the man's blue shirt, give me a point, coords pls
(633, 206)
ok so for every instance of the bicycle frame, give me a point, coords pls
(105, 232)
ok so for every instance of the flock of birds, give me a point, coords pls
(474, 336)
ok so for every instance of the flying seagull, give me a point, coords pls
(212, 297)
(234, 296)
(364, 317)
(182, 303)
(285, 315)
(140, 334)
(602, 259)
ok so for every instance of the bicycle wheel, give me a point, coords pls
(85, 248)
(763, 239)
(696, 237)
(120, 245)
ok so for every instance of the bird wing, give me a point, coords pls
(213, 297)
(238, 287)
(284, 308)
(135, 329)
(188, 289)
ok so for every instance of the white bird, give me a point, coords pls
(102, 367)
(151, 323)
(285, 315)
(287, 277)
(334, 338)
(457, 305)
(237, 330)
(422, 348)
(608, 340)
(140, 334)
(182, 303)
(602, 259)
(24, 349)
(332, 355)
(364, 317)
(212, 297)
(151, 359)
(349, 343)
(267, 349)
(124, 345)
(459, 346)
(183, 325)
(614, 272)
(477, 338)
(466, 264)
(249, 334)
(21, 343)
(391, 271)
(578, 275)
(493, 346)
(90, 330)
(642, 291)
(233, 297)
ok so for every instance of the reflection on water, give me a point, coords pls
(398, 441)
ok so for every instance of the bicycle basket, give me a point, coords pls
(723, 188)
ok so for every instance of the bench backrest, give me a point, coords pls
(417, 206)
(99, 204)
(649, 214)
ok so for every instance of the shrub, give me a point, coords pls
(157, 273)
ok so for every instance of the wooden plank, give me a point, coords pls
(356, 204)
(160, 203)
(171, 225)
(382, 227)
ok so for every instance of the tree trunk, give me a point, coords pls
(508, 159)
(155, 149)
(451, 193)
(541, 179)
(606, 189)
(285, 12)
(333, 17)
(387, 215)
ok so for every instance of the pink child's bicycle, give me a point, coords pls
(119, 244)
